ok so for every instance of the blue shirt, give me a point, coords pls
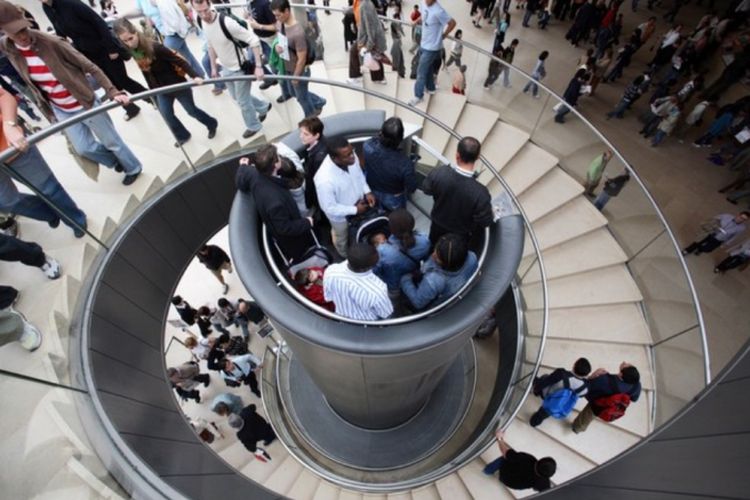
(601, 386)
(437, 285)
(233, 402)
(434, 20)
(152, 12)
(393, 263)
(388, 170)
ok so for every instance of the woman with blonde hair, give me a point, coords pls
(162, 66)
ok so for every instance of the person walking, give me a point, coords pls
(738, 257)
(57, 76)
(572, 93)
(397, 51)
(537, 74)
(436, 25)
(560, 391)
(162, 66)
(186, 378)
(242, 370)
(507, 54)
(13, 249)
(724, 229)
(609, 396)
(252, 428)
(13, 325)
(224, 50)
(371, 38)
(519, 470)
(175, 29)
(612, 188)
(457, 50)
(216, 260)
(631, 93)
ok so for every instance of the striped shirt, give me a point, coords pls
(41, 75)
(360, 296)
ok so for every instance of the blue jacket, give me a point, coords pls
(437, 285)
(233, 401)
(393, 264)
(388, 170)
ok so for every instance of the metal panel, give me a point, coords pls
(168, 458)
(178, 213)
(161, 236)
(221, 487)
(148, 258)
(127, 316)
(133, 417)
(116, 343)
(136, 287)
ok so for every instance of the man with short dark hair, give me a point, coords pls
(312, 104)
(436, 25)
(462, 205)
(728, 227)
(602, 385)
(354, 289)
(342, 190)
(311, 135)
(519, 470)
(560, 383)
(241, 370)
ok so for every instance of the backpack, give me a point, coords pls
(560, 403)
(223, 26)
(612, 407)
(309, 41)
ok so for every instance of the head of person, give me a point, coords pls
(463, 68)
(222, 302)
(607, 155)
(544, 55)
(223, 340)
(392, 133)
(204, 9)
(132, 38)
(176, 300)
(742, 216)
(401, 225)
(221, 409)
(310, 130)
(172, 373)
(468, 152)
(267, 160)
(191, 343)
(203, 250)
(235, 422)
(459, 34)
(228, 365)
(15, 25)
(342, 153)
(362, 257)
(582, 367)
(281, 10)
(629, 373)
(450, 252)
(545, 467)
(514, 43)
(416, 8)
(204, 311)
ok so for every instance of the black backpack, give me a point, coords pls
(309, 41)
(223, 26)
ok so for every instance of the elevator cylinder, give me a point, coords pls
(373, 376)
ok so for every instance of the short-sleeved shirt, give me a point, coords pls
(517, 472)
(297, 43)
(434, 20)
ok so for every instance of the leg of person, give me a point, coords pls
(218, 274)
(203, 378)
(115, 71)
(527, 87)
(340, 236)
(242, 323)
(311, 103)
(658, 138)
(582, 421)
(31, 206)
(252, 381)
(206, 63)
(493, 466)
(185, 98)
(14, 327)
(506, 77)
(538, 417)
(491, 79)
(240, 92)
(534, 89)
(355, 69)
(268, 435)
(101, 125)
(14, 250)
(220, 328)
(165, 102)
(378, 75)
(178, 44)
(84, 142)
(708, 244)
(560, 115)
(436, 231)
(730, 263)
(425, 77)
(601, 200)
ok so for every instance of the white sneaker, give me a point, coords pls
(354, 81)
(31, 338)
(380, 82)
(51, 268)
(432, 92)
(415, 100)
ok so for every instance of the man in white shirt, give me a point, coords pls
(354, 288)
(342, 189)
(436, 25)
(175, 28)
(254, 109)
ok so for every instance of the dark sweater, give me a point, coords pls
(215, 257)
(312, 160)
(388, 170)
(89, 32)
(255, 429)
(517, 472)
(163, 70)
(462, 205)
(573, 92)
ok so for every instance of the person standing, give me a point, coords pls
(538, 74)
(397, 50)
(297, 64)
(571, 95)
(436, 25)
(342, 190)
(726, 228)
(30, 165)
(737, 257)
(609, 395)
(225, 50)
(519, 470)
(162, 66)
(612, 188)
(263, 23)
(389, 172)
(216, 260)
(595, 171)
(311, 136)
(242, 369)
(57, 76)
(186, 378)
(92, 38)
(402, 252)
(226, 404)
(462, 205)
(371, 37)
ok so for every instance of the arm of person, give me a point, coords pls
(212, 60)
(66, 52)
(162, 52)
(250, 38)
(504, 447)
(284, 225)
(550, 379)
(13, 133)
(383, 308)
(410, 176)
(420, 296)
(328, 202)
(428, 184)
(450, 27)
(483, 215)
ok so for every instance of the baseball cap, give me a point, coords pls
(11, 18)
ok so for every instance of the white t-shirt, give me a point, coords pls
(224, 47)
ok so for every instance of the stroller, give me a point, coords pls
(315, 256)
(363, 226)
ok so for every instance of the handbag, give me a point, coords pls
(370, 62)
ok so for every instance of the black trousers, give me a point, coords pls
(118, 75)
(252, 381)
(706, 245)
(731, 262)
(14, 250)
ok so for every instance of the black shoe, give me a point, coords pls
(249, 133)
(78, 233)
(180, 142)
(130, 178)
(130, 116)
(118, 167)
(281, 99)
(207, 381)
(212, 133)
(257, 393)
(198, 399)
(54, 223)
(262, 117)
(267, 84)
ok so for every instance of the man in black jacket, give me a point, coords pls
(275, 204)
(311, 135)
(462, 205)
(252, 428)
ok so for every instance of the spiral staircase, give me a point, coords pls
(595, 290)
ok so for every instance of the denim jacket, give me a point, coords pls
(437, 285)
(393, 264)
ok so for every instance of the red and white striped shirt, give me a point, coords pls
(46, 81)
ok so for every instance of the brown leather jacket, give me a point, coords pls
(67, 64)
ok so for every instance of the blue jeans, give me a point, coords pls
(34, 170)
(185, 97)
(250, 106)
(658, 137)
(619, 110)
(309, 101)
(178, 44)
(564, 110)
(494, 466)
(286, 89)
(390, 202)
(206, 62)
(110, 151)
(425, 75)
(601, 200)
(526, 18)
(531, 85)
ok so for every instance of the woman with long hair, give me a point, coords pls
(402, 252)
(162, 66)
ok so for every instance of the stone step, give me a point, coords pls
(429, 492)
(282, 479)
(451, 487)
(501, 145)
(390, 89)
(344, 99)
(326, 491)
(550, 192)
(304, 486)
(405, 93)
(480, 485)
(446, 108)
(475, 121)
(526, 167)
(575, 218)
